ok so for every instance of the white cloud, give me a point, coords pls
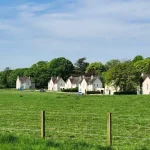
(95, 18)
(81, 26)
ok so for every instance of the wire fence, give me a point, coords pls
(128, 131)
(131, 130)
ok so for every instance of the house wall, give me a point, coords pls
(109, 90)
(56, 87)
(50, 85)
(146, 86)
(97, 85)
(68, 84)
(83, 87)
(18, 83)
(25, 85)
(60, 84)
(74, 85)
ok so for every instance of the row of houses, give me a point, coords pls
(83, 83)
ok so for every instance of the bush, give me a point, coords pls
(2, 86)
(70, 90)
(93, 92)
(125, 93)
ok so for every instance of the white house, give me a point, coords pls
(90, 84)
(56, 84)
(72, 82)
(24, 83)
(146, 86)
(110, 89)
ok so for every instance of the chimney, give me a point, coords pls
(92, 76)
(142, 74)
(80, 77)
(83, 76)
(17, 77)
(70, 77)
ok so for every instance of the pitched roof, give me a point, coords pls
(89, 80)
(144, 76)
(55, 79)
(23, 79)
(75, 80)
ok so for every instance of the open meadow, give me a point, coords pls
(73, 121)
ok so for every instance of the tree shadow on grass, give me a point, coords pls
(8, 138)
(72, 145)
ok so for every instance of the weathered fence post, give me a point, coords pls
(42, 124)
(109, 129)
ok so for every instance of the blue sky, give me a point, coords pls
(99, 30)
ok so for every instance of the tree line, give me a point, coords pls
(125, 74)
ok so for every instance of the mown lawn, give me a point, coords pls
(75, 119)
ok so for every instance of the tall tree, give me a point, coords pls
(80, 66)
(13, 76)
(5, 77)
(112, 63)
(124, 75)
(60, 67)
(39, 73)
(137, 58)
(95, 68)
(143, 66)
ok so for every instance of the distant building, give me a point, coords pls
(56, 84)
(24, 83)
(110, 89)
(90, 84)
(146, 86)
(146, 83)
(73, 82)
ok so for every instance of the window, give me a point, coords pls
(147, 86)
(97, 85)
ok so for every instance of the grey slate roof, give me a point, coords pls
(23, 79)
(89, 80)
(55, 80)
(75, 80)
(144, 76)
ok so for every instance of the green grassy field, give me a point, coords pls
(72, 121)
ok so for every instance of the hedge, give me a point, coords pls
(125, 93)
(93, 92)
(70, 90)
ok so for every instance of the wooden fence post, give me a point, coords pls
(109, 129)
(42, 124)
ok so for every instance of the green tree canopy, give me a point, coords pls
(5, 77)
(13, 76)
(123, 75)
(137, 58)
(112, 63)
(143, 66)
(39, 73)
(60, 67)
(80, 66)
(95, 68)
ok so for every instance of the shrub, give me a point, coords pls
(125, 93)
(93, 92)
(70, 90)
